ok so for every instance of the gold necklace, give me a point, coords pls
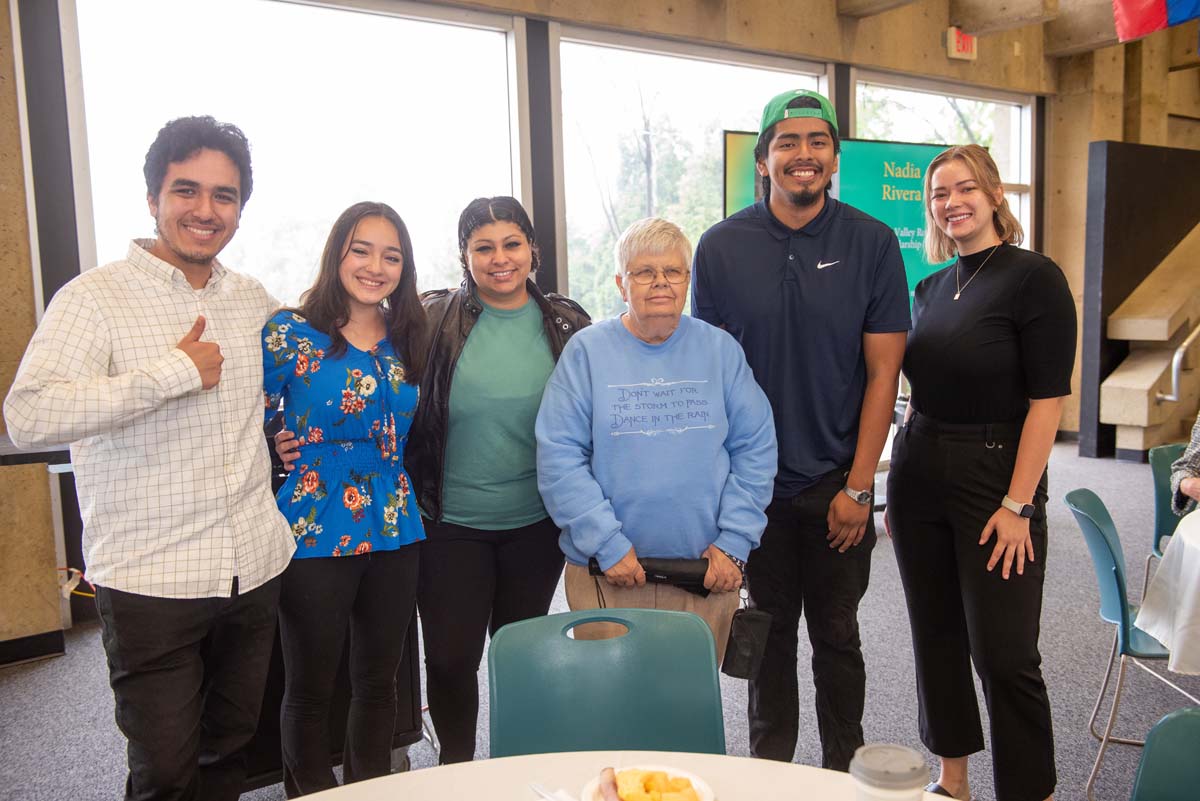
(958, 272)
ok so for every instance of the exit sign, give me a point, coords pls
(961, 45)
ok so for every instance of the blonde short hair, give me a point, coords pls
(939, 246)
(651, 236)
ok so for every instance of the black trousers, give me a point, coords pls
(945, 483)
(373, 595)
(187, 677)
(472, 583)
(794, 572)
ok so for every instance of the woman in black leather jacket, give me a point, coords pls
(491, 555)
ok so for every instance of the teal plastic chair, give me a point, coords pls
(654, 688)
(1165, 519)
(1130, 642)
(1169, 770)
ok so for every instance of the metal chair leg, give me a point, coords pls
(1104, 741)
(1146, 579)
(1100, 699)
(1103, 689)
(429, 735)
(1167, 682)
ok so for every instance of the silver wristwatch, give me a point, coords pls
(861, 497)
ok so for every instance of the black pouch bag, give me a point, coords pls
(686, 574)
(747, 642)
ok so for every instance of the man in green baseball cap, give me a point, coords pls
(791, 116)
(815, 292)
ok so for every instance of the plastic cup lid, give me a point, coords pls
(891, 767)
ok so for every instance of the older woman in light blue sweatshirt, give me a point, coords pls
(654, 440)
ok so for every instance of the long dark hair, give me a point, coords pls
(486, 210)
(326, 305)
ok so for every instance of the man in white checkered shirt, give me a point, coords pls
(151, 368)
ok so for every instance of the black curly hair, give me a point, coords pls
(180, 139)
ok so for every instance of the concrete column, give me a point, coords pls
(29, 604)
(1089, 106)
(1146, 65)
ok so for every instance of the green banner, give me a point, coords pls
(883, 179)
(742, 185)
(886, 180)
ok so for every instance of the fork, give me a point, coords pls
(561, 795)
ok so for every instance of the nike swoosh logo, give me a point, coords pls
(821, 265)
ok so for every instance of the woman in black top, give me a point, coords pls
(989, 361)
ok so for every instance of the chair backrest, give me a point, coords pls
(1104, 545)
(653, 688)
(1169, 769)
(1165, 519)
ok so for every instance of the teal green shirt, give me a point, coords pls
(490, 477)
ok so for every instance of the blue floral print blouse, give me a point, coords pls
(349, 493)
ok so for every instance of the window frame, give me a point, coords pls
(35, 258)
(671, 47)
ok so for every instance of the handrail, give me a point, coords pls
(1177, 367)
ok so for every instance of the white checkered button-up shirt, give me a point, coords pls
(173, 480)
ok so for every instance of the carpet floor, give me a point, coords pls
(59, 739)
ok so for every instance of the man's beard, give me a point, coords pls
(199, 259)
(806, 198)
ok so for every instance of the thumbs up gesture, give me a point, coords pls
(205, 355)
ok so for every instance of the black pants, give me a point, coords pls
(373, 595)
(187, 677)
(794, 572)
(944, 485)
(472, 583)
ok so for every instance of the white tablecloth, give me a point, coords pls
(507, 779)
(1171, 610)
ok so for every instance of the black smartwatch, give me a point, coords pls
(1023, 509)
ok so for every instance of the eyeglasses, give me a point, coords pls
(644, 276)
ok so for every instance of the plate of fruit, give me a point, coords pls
(647, 783)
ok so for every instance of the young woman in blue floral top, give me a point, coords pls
(345, 367)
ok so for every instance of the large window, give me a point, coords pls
(339, 106)
(642, 137)
(343, 102)
(950, 116)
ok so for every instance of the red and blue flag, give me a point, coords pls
(1137, 18)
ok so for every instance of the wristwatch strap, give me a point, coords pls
(1023, 509)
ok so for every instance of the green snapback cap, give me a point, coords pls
(777, 109)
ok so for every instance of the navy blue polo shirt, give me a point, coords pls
(799, 303)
